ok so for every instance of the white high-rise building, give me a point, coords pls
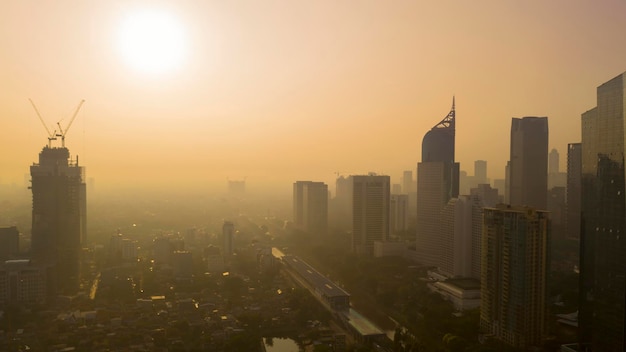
(399, 213)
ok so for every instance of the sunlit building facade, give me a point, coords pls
(514, 270)
(602, 313)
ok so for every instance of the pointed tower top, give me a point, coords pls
(448, 121)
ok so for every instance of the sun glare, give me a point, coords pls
(152, 41)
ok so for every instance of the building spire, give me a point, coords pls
(448, 121)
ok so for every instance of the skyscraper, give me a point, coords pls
(228, 239)
(370, 212)
(574, 174)
(437, 183)
(58, 214)
(514, 269)
(529, 162)
(310, 206)
(461, 229)
(398, 213)
(480, 172)
(602, 311)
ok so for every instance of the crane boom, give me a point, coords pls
(50, 134)
(64, 132)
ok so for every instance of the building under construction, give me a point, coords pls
(59, 212)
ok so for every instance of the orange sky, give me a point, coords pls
(278, 91)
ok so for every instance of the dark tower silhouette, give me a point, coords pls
(602, 308)
(437, 183)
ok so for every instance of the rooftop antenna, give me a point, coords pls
(51, 135)
(62, 132)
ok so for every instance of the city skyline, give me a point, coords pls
(277, 93)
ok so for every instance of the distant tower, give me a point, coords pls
(310, 206)
(480, 172)
(529, 162)
(370, 208)
(437, 183)
(399, 213)
(228, 238)
(514, 270)
(553, 161)
(58, 214)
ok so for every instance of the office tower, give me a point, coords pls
(9, 242)
(58, 213)
(555, 177)
(310, 206)
(488, 195)
(396, 188)
(574, 174)
(602, 313)
(500, 185)
(407, 182)
(341, 214)
(553, 161)
(480, 172)
(399, 213)
(529, 162)
(22, 283)
(228, 238)
(514, 269)
(370, 212)
(461, 229)
(507, 183)
(437, 183)
(556, 207)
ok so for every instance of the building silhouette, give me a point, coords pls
(9, 242)
(514, 269)
(310, 206)
(574, 174)
(398, 213)
(228, 239)
(529, 162)
(437, 183)
(370, 212)
(59, 214)
(602, 311)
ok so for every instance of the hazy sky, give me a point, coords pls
(278, 91)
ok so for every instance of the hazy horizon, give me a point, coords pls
(278, 91)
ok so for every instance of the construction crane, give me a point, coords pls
(52, 136)
(62, 132)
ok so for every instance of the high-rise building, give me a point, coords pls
(514, 269)
(228, 239)
(58, 215)
(602, 311)
(437, 183)
(407, 182)
(310, 206)
(9, 242)
(529, 162)
(399, 213)
(488, 195)
(553, 161)
(461, 229)
(480, 172)
(341, 214)
(370, 212)
(574, 174)
(507, 183)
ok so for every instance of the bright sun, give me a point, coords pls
(152, 41)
